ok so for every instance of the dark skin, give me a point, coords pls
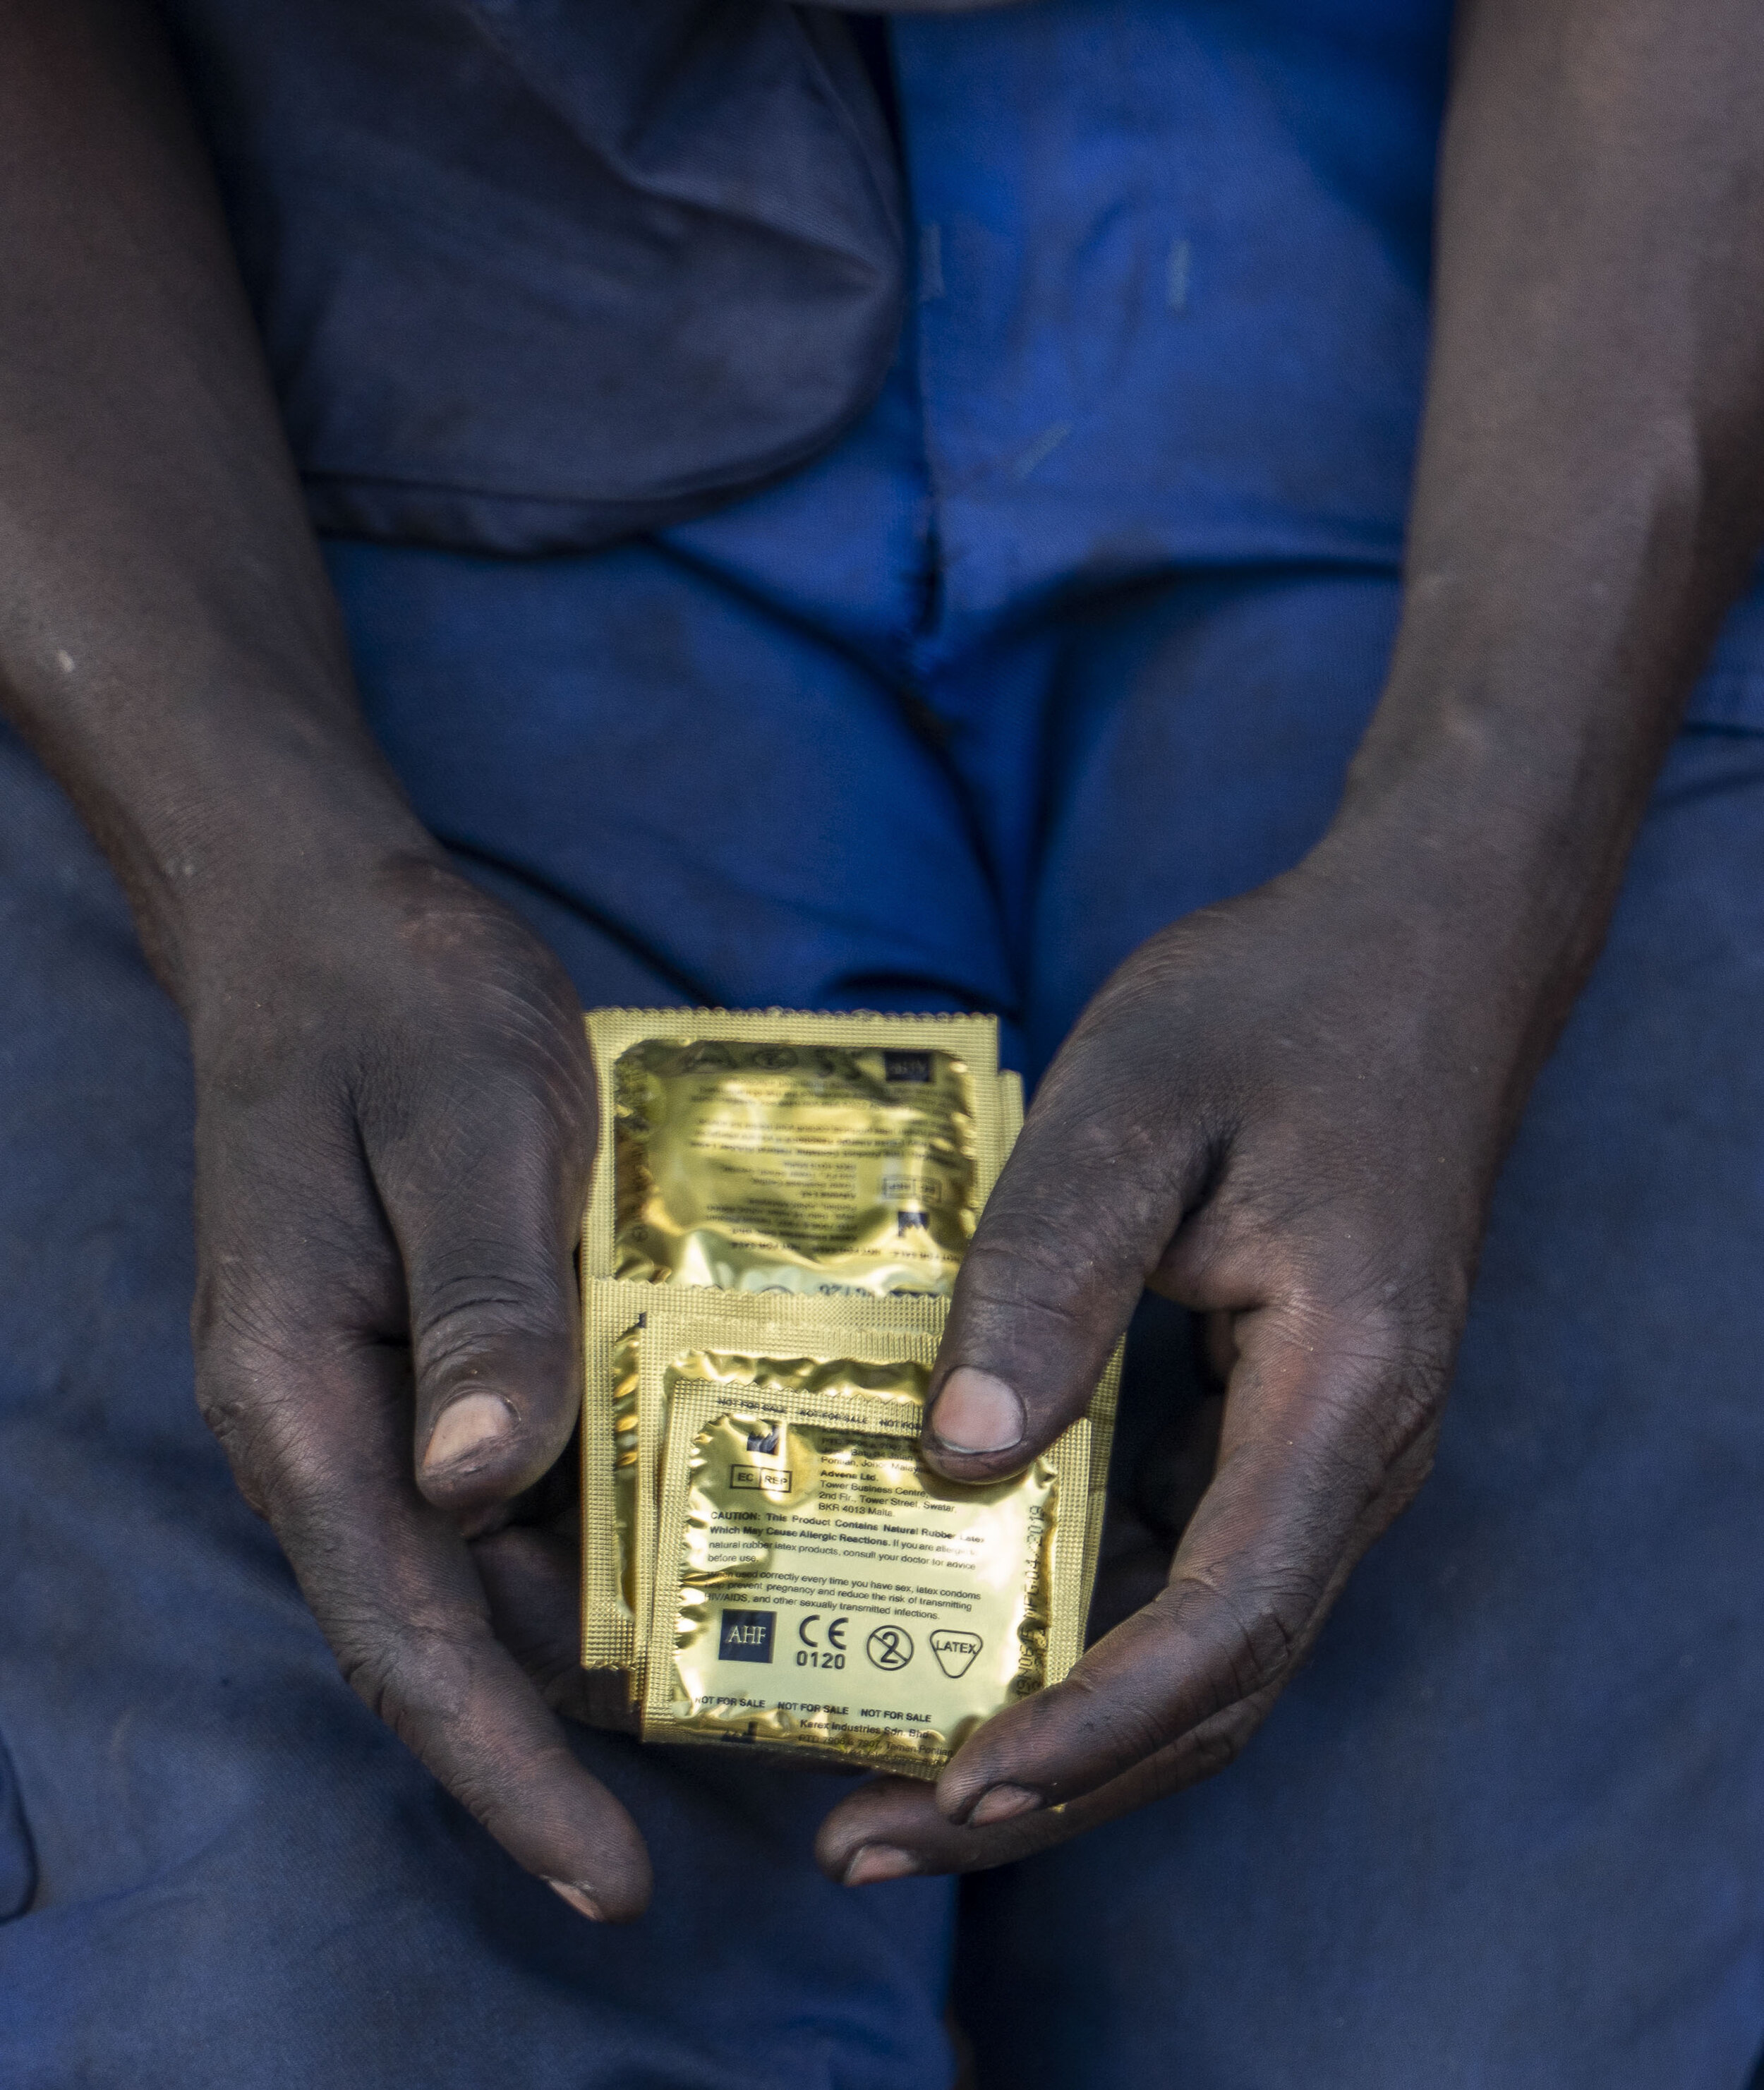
(1286, 1112)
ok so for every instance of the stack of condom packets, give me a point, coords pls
(780, 1208)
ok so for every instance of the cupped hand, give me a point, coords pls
(395, 1115)
(1286, 1113)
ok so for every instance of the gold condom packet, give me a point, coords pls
(1010, 1107)
(615, 1586)
(895, 1119)
(622, 1374)
(625, 1419)
(819, 1592)
(767, 1150)
(820, 1168)
(621, 1454)
(622, 1460)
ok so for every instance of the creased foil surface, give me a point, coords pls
(779, 1166)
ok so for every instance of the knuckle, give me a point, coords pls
(1215, 1744)
(1400, 1363)
(1407, 1419)
(1192, 1670)
(464, 1074)
(248, 1423)
(1251, 1633)
(245, 1334)
(304, 1435)
(1093, 1185)
(1215, 1747)
(463, 1310)
(526, 1346)
(370, 1672)
(422, 1677)
(1202, 1753)
(410, 1671)
(1372, 1380)
(1124, 1726)
(239, 1427)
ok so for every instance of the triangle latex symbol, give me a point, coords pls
(955, 1651)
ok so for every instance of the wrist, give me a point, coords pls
(232, 856)
(1483, 861)
(1503, 774)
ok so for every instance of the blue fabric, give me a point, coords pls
(1508, 1828)
(535, 275)
(223, 1873)
(953, 719)
(1175, 311)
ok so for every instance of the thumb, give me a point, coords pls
(486, 1217)
(1081, 1217)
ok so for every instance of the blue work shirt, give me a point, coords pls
(535, 275)
(1168, 261)
(1170, 308)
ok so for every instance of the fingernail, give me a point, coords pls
(879, 1861)
(471, 1428)
(579, 1899)
(977, 1412)
(1002, 1804)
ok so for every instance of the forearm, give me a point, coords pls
(168, 641)
(1590, 489)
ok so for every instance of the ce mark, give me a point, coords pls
(835, 1631)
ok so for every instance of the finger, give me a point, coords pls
(892, 1829)
(1313, 1465)
(1094, 1187)
(484, 1178)
(316, 1417)
(312, 1405)
(422, 1654)
(533, 1579)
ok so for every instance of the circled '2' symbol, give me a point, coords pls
(889, 1647)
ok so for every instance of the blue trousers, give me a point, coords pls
(1507, 1830)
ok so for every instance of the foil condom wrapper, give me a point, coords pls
(751, 1150)
(820, 1592)
(808, 1169)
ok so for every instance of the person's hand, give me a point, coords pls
(1286, 1113)
(395, 1114)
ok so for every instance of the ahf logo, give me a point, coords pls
(746, 1636)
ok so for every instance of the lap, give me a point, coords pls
(220, 1869)
(1503, 1830)
(1509, 1826)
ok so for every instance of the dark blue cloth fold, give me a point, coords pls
(534, 274)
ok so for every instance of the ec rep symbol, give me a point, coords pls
(889, 1647)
